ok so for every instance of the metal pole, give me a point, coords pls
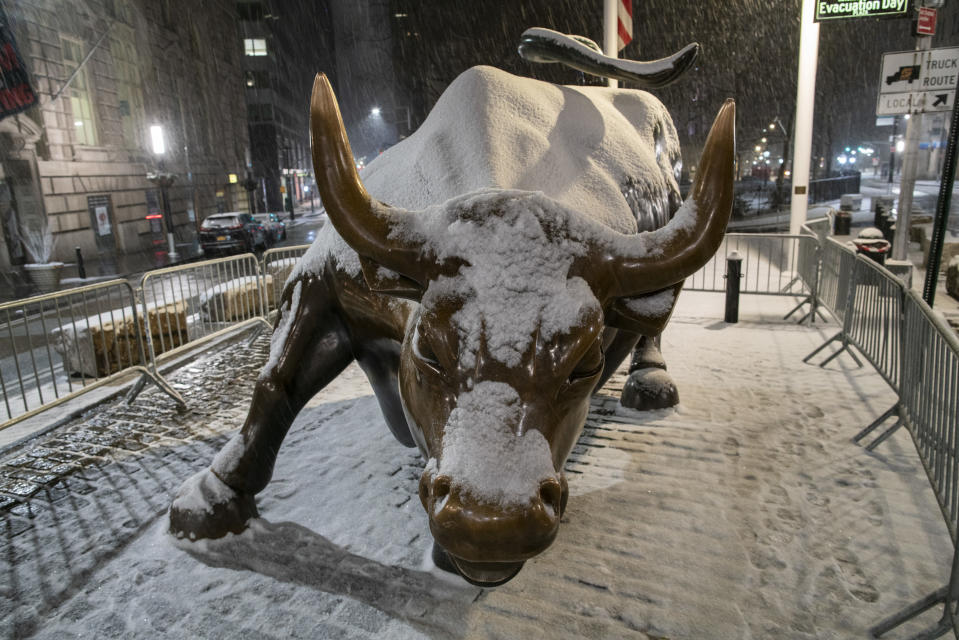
(892, 149)
(81, 270)
(910, 160)
(165, 198)
(805, 103)
(734, 270)
(942, 212)
(610, 34)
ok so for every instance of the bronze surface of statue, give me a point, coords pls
(485, 321)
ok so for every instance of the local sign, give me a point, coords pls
(835, 9)
(926, 24)
(918, 81)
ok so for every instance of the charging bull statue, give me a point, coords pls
(487, 275)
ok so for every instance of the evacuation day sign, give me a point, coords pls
(834, 9)
(15, 91)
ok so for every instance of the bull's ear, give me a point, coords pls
(646, 314)
(383, 280)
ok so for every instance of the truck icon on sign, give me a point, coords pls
(907, 73)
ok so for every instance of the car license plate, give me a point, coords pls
(221, 238)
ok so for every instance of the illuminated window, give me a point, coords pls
(254, 46)
(78, 93)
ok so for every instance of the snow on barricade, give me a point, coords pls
(237, 299)
(103, 344)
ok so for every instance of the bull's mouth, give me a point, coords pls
(486, 574)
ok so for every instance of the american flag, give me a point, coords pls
(625, 23)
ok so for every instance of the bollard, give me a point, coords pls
(81, 271)
(734, 272)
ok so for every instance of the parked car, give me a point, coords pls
(275, 227)
(233, 232)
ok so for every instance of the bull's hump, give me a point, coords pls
(491, 129)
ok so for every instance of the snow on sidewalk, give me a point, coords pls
(744, 513)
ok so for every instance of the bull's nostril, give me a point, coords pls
(441, 487)
(551, 494)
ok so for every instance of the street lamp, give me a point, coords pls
(163, 180)
(286, 179)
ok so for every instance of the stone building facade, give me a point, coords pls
(107, 72)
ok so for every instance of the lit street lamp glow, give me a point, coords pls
(156, 137)
(375, 111)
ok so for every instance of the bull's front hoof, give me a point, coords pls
(648, 389)
(205, 507)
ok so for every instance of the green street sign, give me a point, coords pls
(837, 9)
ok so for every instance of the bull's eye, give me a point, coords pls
(590, 366)
(424, 353)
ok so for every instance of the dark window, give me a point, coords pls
(259, 112)
(250, 11)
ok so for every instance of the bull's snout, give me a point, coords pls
(475, 531)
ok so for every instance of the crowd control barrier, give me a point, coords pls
(772, 264)
(59, 345)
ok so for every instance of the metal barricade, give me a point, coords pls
(875, 319)
(276, 266)
(772, 265)
(836, 266)
(768, 263)
(929, 408)
(209, 298)
(59, 345)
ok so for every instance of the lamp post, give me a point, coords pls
(163, 180)
(286, 180)
(249, 184)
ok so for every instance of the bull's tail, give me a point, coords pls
(578, 52)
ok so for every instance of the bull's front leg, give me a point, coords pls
(649, 386)
(310, 347)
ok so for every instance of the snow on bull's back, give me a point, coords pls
(578, 145)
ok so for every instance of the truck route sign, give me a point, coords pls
(836, 9)
(918, 81)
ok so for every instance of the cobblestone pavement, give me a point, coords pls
(747, 512)
(137, 454)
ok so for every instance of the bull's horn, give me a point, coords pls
(672, 253)
(364, 222)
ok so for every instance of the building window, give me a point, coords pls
(257, 79)
(259, 112)
(129, 86)
(250, 11)
(78, 93)
(254, 46)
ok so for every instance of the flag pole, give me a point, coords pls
(610, 33)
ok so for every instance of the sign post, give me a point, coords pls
(942, 212)
(915, 82)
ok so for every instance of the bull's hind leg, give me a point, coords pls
(310, 347)
(649, 385)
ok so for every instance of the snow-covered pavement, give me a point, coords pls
(744, 513)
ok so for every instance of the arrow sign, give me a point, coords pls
(941, 98)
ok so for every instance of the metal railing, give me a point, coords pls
(769, 261)
(773, 264)
(56, 346)
(929, 409)
(277, 266)
(832, 188)
(917, 354)
(836, 266)
(94, 330)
